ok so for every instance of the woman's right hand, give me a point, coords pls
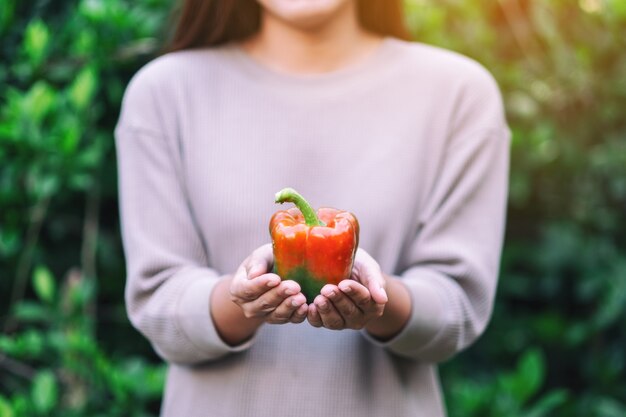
(262, 295)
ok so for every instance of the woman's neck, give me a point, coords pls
(327, 47)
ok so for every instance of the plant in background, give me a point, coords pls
(64, 65)
(57, 366)
(563, 276)
(510, 393)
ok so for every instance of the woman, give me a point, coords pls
(324, 96)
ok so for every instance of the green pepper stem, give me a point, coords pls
(289, 195)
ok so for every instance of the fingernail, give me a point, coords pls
(272, 282)
(296, 303)
(347, 289)
(289, 291)
(323, 305)
(331, 294)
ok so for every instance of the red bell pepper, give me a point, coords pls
(312, 249)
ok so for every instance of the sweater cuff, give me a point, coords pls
(427, 319)
(195, 321)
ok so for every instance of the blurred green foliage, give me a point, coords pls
(66, 347)
(557, 342)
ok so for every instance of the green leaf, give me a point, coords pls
(32, 343)
(39, 101)
(92, 155)
(43, 283)
(531, 372)
(21, 404)
(7, 344)
(83, 88)
(36, 41)
(546, 405)
(527, 378)
(44, 392)
(81, 294)
(70, 128)
(45, 185)
(92, 9)
(80, 181)
(31, 312)
(613, 304)
(5, 408)
(86, 42)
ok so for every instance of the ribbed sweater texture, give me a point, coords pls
(412, 139)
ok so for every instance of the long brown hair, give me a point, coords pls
(214, 22)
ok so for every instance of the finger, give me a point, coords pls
(245, 290)
(370, 276)
(375, 285)
(300, 314)
(344, 305)
(359, 295)
(290, 287)
(271, 299)
(260, 261)
(379, 295)
(362, 299)
(285, 311)
(313, 316)
(329, 315)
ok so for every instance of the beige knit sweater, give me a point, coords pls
(412, 140)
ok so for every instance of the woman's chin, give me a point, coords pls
(305, 14)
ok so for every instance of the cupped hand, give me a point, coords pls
(353, 302)
(262, 295)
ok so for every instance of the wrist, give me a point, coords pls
(231, 324)
(396, 314)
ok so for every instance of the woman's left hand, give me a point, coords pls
(353, 302)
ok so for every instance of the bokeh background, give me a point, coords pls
(557, 343)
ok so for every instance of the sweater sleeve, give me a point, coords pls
(453, 260)
(169, 281)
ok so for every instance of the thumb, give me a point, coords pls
(260, 261)
(371, 276)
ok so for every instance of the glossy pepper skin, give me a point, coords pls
(311, 248)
